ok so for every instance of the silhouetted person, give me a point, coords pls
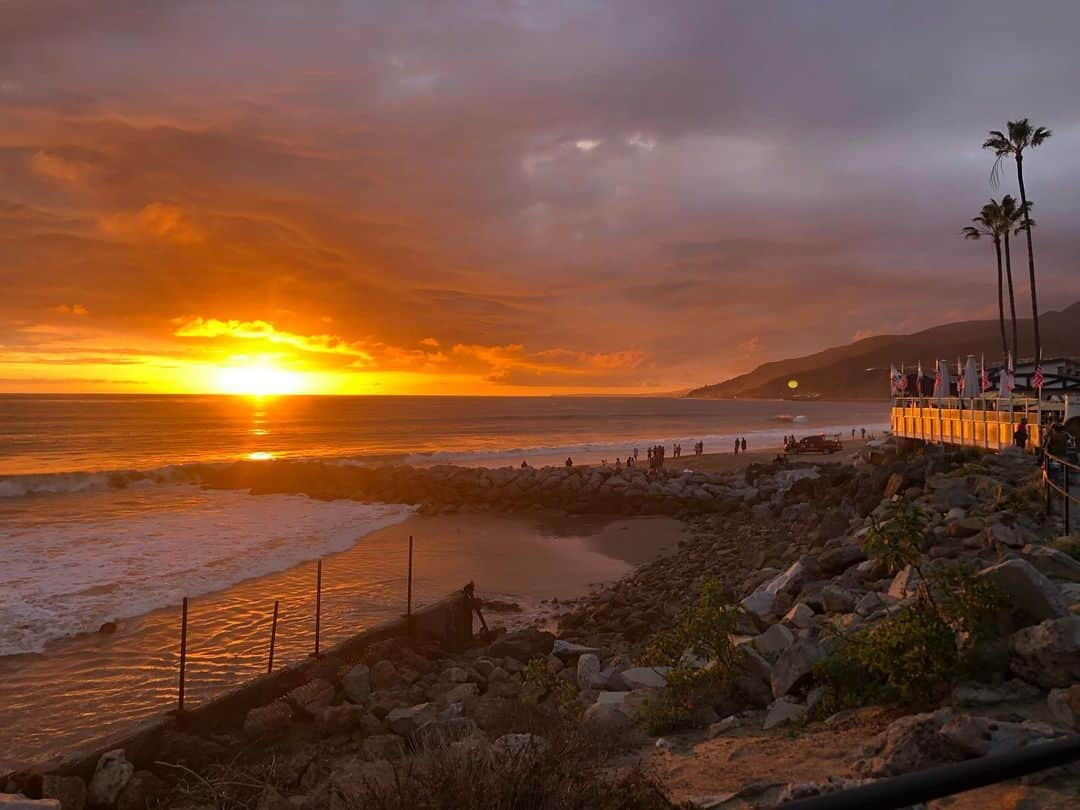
(569, 462)
(736, 447)
(1020, 436)
(744, 444)
(524, 464)
(864, 433)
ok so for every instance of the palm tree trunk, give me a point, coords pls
(1012, 298)
(1031, 255)
(1001, 300)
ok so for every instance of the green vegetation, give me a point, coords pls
(700, 655)
(1069, 544)
(917, 653)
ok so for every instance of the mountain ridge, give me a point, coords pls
(858, 370)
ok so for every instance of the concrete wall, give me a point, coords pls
(448, 621)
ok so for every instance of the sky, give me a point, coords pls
(506, 196)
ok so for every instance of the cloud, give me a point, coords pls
(71, 309)
(153, 221)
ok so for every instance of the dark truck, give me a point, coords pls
(815, 444)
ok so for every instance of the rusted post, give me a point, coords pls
(318, 605)
(183, 655)
(273, 638)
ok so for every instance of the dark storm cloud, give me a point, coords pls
(681, 189)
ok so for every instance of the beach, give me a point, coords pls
(81, 689)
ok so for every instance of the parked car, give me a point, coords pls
(815, 444)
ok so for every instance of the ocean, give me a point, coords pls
(103, 520)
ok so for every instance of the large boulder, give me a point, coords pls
(384, 675)
(357, 683)
(405, 721)
(783, 711)
(1031, 597)
(774, 641)
(340, 719)
(795, 664)
(1047, 654)
(909, 744)
(837, 560)
(112, 773)
(969, 736)
(644, 677)
(1052, 563)
(1064, 706)
(588, 672)
(523, 645)
(267, 721)
(606, 720)
(905, 584)
(312, 697)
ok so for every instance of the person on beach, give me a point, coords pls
(524, 464)
(635, 454)
(744, 445)
(736, 447)
(569, 462)
(1020, 437)
(864, 433)
(618, 464)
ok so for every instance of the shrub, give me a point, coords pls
(699, 654)
(899, 539)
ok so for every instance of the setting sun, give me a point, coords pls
(259, 379)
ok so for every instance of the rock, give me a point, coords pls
(384, 675)
(1052, 563)
(724, 726)
(837, 560)
(759, 603)
(774, 640)
(905, 584)
(606, 720)
(113, 771)
(783, 711)
(1064, 705)
(463, 691)
(645, 677)
(868, 603)
(567, 649)
(970, 736)
(588, 672)
(793, 665)
(893, 485)
(140, 791)
(405, 721)
(1031, 596)
(801, 616)
(357, 683)
(1047, 654)
(837, 600)
(456, 675)
(70, 791)
(833, 524)
(965, 527)
(340, 719)
(16, 801)
(632, 704)
(266, 721)
(975, 694)
(910, 744)
(384, 746)
(312, 697)
(523, 645)
(518, 745)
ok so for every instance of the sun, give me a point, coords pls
(259, 379)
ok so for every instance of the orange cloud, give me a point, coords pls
(71, 309)
(155, 221)
(61, 169)
(263, 330)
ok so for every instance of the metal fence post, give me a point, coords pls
(183, 654)
(273, 638)
(1065, 472)
(408, 597)
(318, 605)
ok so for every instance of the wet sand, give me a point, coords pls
(86, 688)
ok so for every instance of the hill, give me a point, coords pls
(859, 370)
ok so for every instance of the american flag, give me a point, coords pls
(903, 379)
(918, 381)
(1038, 380)
(937, 379)
(959, 378)
(984, 378)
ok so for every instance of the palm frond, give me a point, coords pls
(1040, 135)
(971, 233)
(995, 172)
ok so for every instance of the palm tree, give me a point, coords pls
(1021, 136)
(1009, 223)
(989, 222)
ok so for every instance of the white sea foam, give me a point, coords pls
(66, 571)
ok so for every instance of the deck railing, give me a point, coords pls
(1057, 472)
(969, 421)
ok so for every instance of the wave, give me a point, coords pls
(43, 484)
(65, 579)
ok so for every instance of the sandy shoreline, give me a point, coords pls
(96, 685)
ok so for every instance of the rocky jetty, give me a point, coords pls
(445, 488)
